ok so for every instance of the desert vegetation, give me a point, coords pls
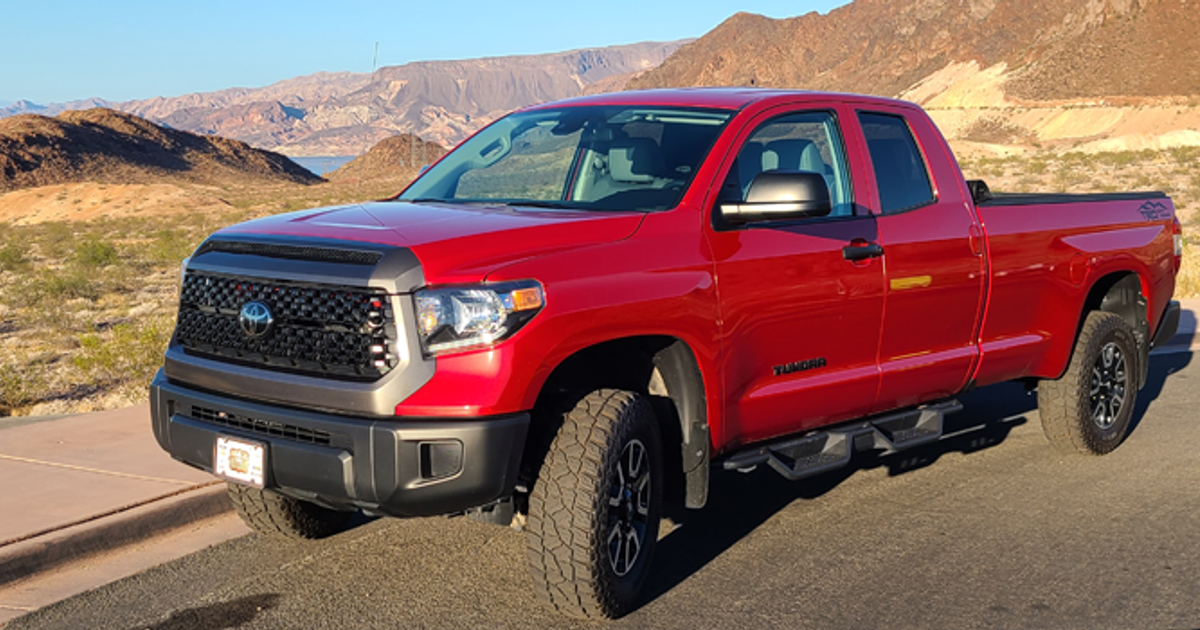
(87, 306)
(87, 302)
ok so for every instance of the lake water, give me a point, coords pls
(323, 164)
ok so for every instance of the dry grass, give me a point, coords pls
(87, 307)
(1187, 283)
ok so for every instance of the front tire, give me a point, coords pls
(1088, 410)
(595, 508)
(278, 516)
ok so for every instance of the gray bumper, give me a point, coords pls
(401, 466)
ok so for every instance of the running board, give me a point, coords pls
(822, 451)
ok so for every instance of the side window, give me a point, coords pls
(899, 170)
(809, 141)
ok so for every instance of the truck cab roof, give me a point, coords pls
(731, 98)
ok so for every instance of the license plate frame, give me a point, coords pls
(240, 460)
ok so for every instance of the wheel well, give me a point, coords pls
(663, 369)
(1121, 293)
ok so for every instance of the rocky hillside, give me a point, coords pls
(1068, 49)
(344, 113)
(106, 146)
(396, 158)
(1077, 72)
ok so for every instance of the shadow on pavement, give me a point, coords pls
(739, 503)
(1161, 367)
(234, 614)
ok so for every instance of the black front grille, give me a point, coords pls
(336, 331)
(262, 427)
(295, 252)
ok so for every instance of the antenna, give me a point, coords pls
(370, 104)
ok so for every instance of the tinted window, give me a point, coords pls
(899, 170)
(797, 142)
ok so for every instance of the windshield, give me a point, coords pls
(588, 158)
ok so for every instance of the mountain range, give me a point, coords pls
(344, 113)
(1086, 74)
(997, 76)
(107, 146)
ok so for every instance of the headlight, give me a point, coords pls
(183, 269)
(466, 317)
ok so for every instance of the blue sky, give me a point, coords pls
(54, 51)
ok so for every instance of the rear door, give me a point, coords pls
(800, 322)
(933, 258)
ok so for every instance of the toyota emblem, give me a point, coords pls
(256, 319)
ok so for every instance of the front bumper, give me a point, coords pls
(401, 466)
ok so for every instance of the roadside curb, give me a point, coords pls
(108, 532)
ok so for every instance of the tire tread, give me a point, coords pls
(1063, 402)
(275, 515)
(562, 529)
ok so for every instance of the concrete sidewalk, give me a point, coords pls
(80, 486)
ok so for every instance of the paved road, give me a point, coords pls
(988, 529)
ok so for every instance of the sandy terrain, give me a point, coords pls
(88, 201)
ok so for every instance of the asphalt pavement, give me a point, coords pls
(989, 528)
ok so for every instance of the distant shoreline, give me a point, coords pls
(322, 164)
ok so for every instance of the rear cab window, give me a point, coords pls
(900, 172)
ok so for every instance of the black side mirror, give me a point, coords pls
(780, 195)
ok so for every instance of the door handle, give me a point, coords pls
(975, 239)
(855, 253)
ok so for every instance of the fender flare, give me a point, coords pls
(677, 376)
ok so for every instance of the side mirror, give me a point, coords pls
(780, 195)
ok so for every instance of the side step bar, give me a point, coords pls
(822, 451)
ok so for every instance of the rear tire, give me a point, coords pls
(278, 516)
(595, 507)
(1088, 409)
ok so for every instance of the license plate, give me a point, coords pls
(240, 461)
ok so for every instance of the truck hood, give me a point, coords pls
(455, 243)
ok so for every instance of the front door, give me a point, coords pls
(800, 322)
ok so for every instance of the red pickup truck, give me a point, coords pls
(589, 304)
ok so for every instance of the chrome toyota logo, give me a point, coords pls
(256, 319)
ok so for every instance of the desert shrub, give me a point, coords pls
(53, 286)
(13, 255)
(1125, 158)
(93, 252)
(21, 385)
(53, 239)
(169, 247)
(128, 353)
(1185, 155)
